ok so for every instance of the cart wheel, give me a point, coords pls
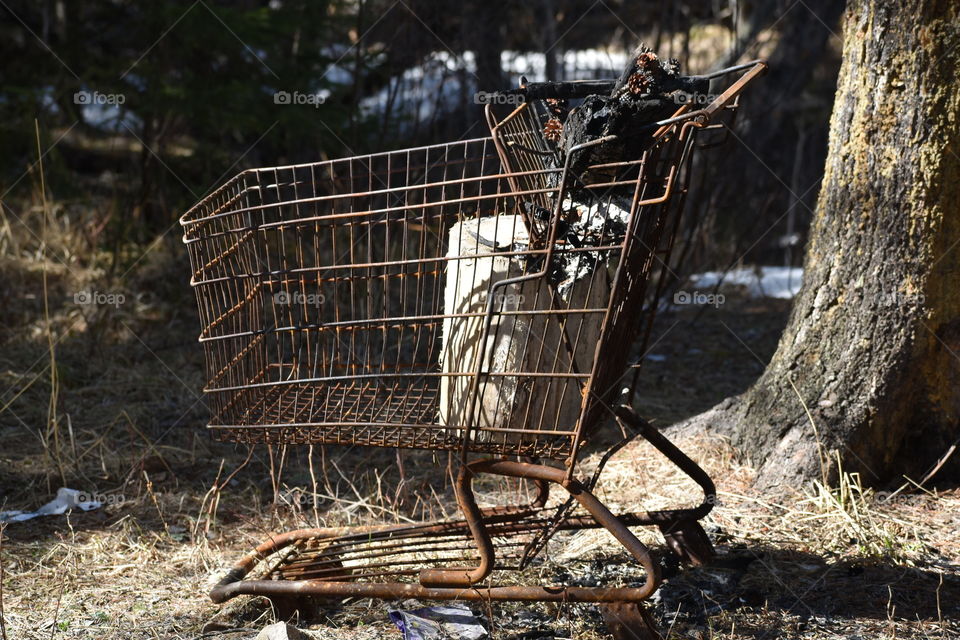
(689, 542)
(306, 607)
(286, 608)
(629, 621)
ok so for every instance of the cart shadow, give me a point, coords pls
(752, 592)
(805, 588)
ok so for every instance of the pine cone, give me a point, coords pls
(552, 130)
(639, 83)
(557, 106)
(648, 60)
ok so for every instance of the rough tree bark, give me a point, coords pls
(872, 347)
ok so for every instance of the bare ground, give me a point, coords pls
(113, 409)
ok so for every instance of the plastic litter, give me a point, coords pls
(448, 622)
(66, 499)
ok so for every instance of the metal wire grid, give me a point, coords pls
(393, 552)
(526, 154)
(400, 552)
(320, 289)
(661, 177)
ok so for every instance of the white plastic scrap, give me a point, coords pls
(598, 223)
(450, 622)
(598, 216)
(66, 499)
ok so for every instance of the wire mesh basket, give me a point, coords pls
(430, 297)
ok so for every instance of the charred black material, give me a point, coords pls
(647, 91)
(572, 90)
(626, 117)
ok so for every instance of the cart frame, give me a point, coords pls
(240, 243)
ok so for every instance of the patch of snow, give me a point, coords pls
(443, 80)
(422, 92)
(760, 282)
(585, 64)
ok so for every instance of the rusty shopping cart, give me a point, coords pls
(475, 297)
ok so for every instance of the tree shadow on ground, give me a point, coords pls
(770, 592)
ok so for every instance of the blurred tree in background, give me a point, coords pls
(149, 95)
(145, 107)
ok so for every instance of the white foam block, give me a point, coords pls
(516, 343)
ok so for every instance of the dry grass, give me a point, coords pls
(831, 562)
(109, 406)
(141, 568)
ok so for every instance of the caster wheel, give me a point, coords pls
(629, 621)
(689, 542)
(287, 608)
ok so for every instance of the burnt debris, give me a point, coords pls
(649, 89)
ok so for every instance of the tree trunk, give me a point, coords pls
(872, 348)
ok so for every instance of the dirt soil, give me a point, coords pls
(113, 409)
